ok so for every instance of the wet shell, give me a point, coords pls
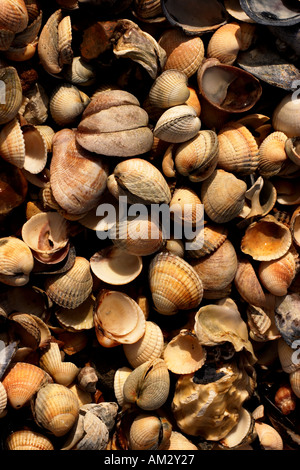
(285, 116)
(184, 354)
(149, 432)
(197, 158)
(174, 284)
(148, 347)
(21, 382)
(177, 124)
(11, 94)
(72, 288)
(238, 150)
(26, 439)
(63, 373)
(169, 89)
(16, 261)
(120, 377)
(277, 275)
(48, 50)
(266, 239)
(148, 385)
(223, 196)
(183, 52)
(269, 438)
(272, 154)
(67, 103)
(56, 408)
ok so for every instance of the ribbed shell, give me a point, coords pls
(272, 154)
(65, 41)
(80, 73)
(27, 439)
(148, 347)
(178, 441)
(184, 353)
(3, 398)
(174, 284)
(286, 116)
(213, 237)
(198, 157)
(120, 376)
(48, 44)
(269, 438)
(63, 373)
(177, 124)
(186, 206)
(169, 89)
(16, 261)
(223, 196)
(11, 95)
(183, 52)
(238, 150)
(248, 285)
(13, 15)
(21, 382)
(67, 103)
(72, 288)
(79, 318)
(149, 432)
(77, 177)
(277, 276)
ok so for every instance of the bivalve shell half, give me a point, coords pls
(148, 347)
(272, 154)
(277, 14)
(73, 287)
(288, 357)
(184, 354)
(269, 438)
(26, 439)
(285, 116)
(48, 50)
(178, 441)
(149, 432)
(248, 284)
(277, 275)
(16, 261)
(78, 318)
(11, 94)
(63, 373)
(169, 89)
(120, 377)
(174, 284)
(3, 399)
(67, 103)
(177, 124)
(213, 237)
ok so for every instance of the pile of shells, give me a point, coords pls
(150, 225)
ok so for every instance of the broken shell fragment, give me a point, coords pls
(63, 373)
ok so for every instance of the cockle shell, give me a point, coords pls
(26, 439)
(72, 288)
(149, 432)
(48, 50)
(65, 41)
(223, 196)
(277, 275)
(22, 381)
(178, 441)
(12, 94)
(177, 124)
(16, 261)
(6, 355)
(269, 438)
(67, 103)
(118, 317)
(3, 399)
(292, 149)
(77, 177)
(174, 284)
(32, 331)
(294, 378)
(197, 158)
(272, 154)
(261, 322)
(56, 408)
(120, 376)
(260, 199)
(248, 284)
(212, 238)
(242, 434)
(169, 89)
(285, 116)
(79, 72)
(147, 9)
(148, 385)
(184, 353)
(148, 347)
(63, 373)
(78, 318)
(186, 206)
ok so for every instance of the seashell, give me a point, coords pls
(140, 236)
(287, 191)
(115, 266)
(286, 309)
(149, 432)
(178, 441)
(238, 150)
(226, 87)
(77, 178)
(30, 33)
(109, 123)
(174, 284)
(285, 399)
(87, 379)
(79, 72)
(26, 439)
(20, 54)
(48, 133)
(184, 53)
(3, 399)
(223, 196)
(148, 385)
(184, 354)
(242, 433)
(174, 246)
(147, 10)
(6, 355)
(292, 149)
(148, 347)
(186, 206)
(295, 382)
(248, 284)
(262, 324)
(260, 199)
(48, 50)
(67, 103)
(218, 269)
(191, 18)
(14, 16)
(13, 187)
(141, 182)
(46, 235)
(82, 396)
(56, 409)
(27, 330)
(96, 39)
(71, 288)
(177, 124)
(266, 240)
(16, 261)
(228, 40)
(36, 109)
(285, 116)
(21, 382)
(169, 89)
(95, 433)
(63, 373)
(294, 226)
(287, 356)
(65, 41)
(272, 154)
(11, 94)
(279, 15)
(277, 275)
(120, 377)
(197, 158)
(213, 236)
(269, 438)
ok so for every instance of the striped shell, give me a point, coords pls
(169, 89)
(10, 94)
(277, 275)
(67, 103)
(16, 261)
(177, 124)
(63, 373)
(272, 154)
(26, 439)
(149, 346)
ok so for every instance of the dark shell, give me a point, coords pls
(277, 12)
(288, 35)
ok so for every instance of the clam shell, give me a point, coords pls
(223, 196)
(65, 41)
(3, 398)
(294, 226)
(14, 15)
(285, 116)
(148, 385)
(241, 433)
(286, 317)
(269, 438)
(56, 409)
(21, 382)
(11, 94)
(148, 347)
(248, 285)
(177, 124)
(272, 154)
(67, 103)
(169, 89)
(262, 324)
(16, 261)
(266, 239)
(79, 72)
(174, 284)
(149, 432)
(116, 266)
(174, 246)
(184, 354)
(72, 288)
(26, 439)
(120, 376)
(277, 275)
(287, 191)
(260, 199)
(48, 133)
(213, 237)
(6, 355)
(29, 34)
(48, 44)
(186, 206)
(279, 14)
(184, 53)
(118, 317)
(63, 373)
